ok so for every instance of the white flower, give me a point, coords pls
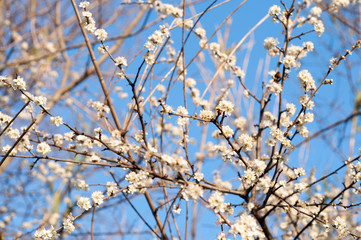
(87, 14)
(176, 209)
(328, 81)
(101, 108)
(13, 133)
(240, 122)
(239, 72)
(308, 117)
(200, 32)
(177, 163)
(297, 51)
(40, 100)
(167, 109)
(258, 167)
(198, 176)
(336, 4)
(182, 111)
(156, 38)
(121, 61)
(299, 172)
(271, 141)
(149, 58)
(101, 34)
(84, 203)
(69, 136)
(192, 190)
(80, 184)
(270, 43)
(227, 131)
(309, 46)
(304, 99)
(316, 11)
(112, 187)
(56, 120)
(274, 87)
(97, 198)
(43, 148)
(215, 47)
(277, 133)
(333, 61)
(285, 119)
(68, 223)
(150, 45)
(247, 227)
(84, 4)
(19, 83)
(190, 82)
(46, 234)
(339, 223)
(306, 80)
(246, 142)
(227, 107)
(291, 108)
(206, 115)
(88, 21)
(168, 9)
(221, 236)
(216, 202)
(274, 10)
(93, 158)
(102, 50)
(181, 121)
(289, 61)
(249, 177)
(137, 181)
(319, 28)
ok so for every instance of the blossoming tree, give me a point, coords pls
(153, 129)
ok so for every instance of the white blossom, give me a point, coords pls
(192, 190)
(84, 203)
(97, 198)
(40, 100)
(68, 223)
(80, 184)
(306, 80)
(112, 188)
(18, 83)
(84, 4)
(122, 61)
(316, 11)
(101, 34)
(46, 234)
(206, 115)
(319, 28)
(227, 131)
(227, 107)
(247, 227)
(198, 176)
(57, 121)
(246, 142)
(43, 148)
(270, 43)
(149, 58)
(274, 11)
(289, 61)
